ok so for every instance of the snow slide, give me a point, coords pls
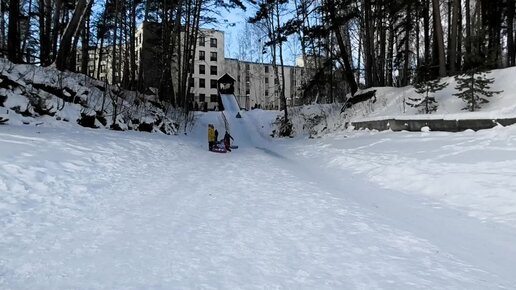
(230, 103)
(244, 128)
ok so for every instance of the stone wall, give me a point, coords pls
(433, 124)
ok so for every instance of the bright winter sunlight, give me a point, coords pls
(336, 144)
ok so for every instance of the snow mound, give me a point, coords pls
(49, 97)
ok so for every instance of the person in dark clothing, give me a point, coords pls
(216, 136)
(227, 141)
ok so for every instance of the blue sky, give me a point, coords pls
(233, 23)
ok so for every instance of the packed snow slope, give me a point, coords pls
(87, 209)
(230, 103)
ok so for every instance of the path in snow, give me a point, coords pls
(109, 210)
(487, 245)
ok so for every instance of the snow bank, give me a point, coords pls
(44, 96)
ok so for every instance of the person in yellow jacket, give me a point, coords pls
(211, 136)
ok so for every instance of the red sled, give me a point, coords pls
(218, 149)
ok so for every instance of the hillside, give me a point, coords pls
(43, 95)
(316, 120)
(390, 101)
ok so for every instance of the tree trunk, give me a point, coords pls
(2, 29)
(390, 52)
(383, 36)
(44, 33)
(449, 32)
(426, 28)
(439, 38)
(70, 32)
(283, 99)
(114, 63)
(418, 40)
(460, 38)
(467, 44)
(408, 27)
(55, 26)
(343, 51)
(26, 34)
(454, 34)
(368, 45)
(511, 54)
(132, 45)
(13, 37)
(85, 55)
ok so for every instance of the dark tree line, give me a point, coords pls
(349, 44)
(56, 32)
(383, 42)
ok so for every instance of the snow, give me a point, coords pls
(390, 102)
(230, 103)
(97, 209)
(88, 209)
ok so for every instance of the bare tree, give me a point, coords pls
(439, 38)
(65, 48)
(13, 37)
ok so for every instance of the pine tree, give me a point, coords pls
(426, 88)
(473, 88)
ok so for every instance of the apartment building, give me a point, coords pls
(255, 83)
(99, 68)
(257, 86)
(207, 68)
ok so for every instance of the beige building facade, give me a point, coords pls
(255, 83)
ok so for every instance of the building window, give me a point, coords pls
(213, 70)
(213, 42)
(202, 83)
(202, 56)
(192, 68)
(247, 67)
(276, 81)
(247, 91)
(213, 56)
(191, 83)
(213, 84)
(266, 92)
(266, 69)
(202, 40)
(266, 80)
(213, 98)
(202, 97)
(202, 69)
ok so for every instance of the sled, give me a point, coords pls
(233, 146)
(2, 120)
(218, 148)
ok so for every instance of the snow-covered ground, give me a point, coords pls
(88, 209)
(391, 101)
